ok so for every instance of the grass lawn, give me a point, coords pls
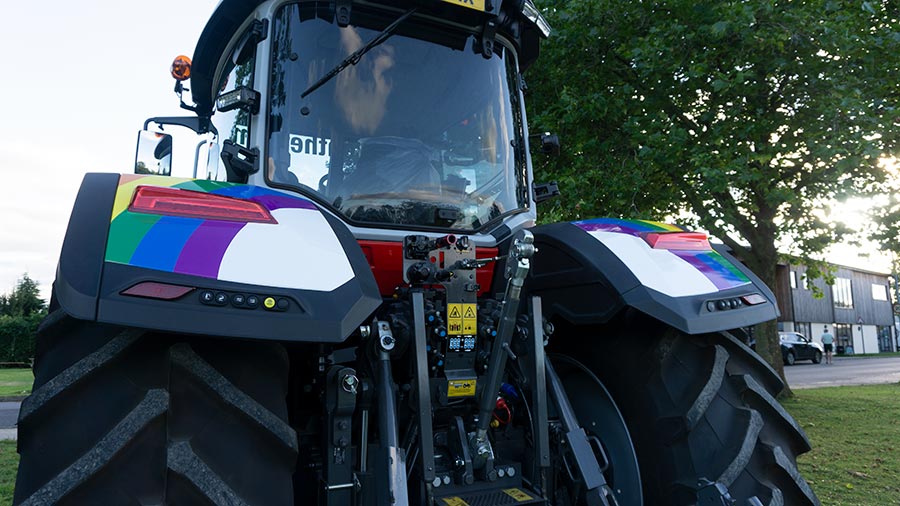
(9, 462)
(855, 432)
(15, 382)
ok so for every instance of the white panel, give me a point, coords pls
(300, 252)
(657, 269)
(869, 339)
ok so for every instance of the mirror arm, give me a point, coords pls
(199, 124)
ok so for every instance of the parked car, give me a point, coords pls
(795, 346)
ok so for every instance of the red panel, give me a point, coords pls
(386, 260)
(679, 241)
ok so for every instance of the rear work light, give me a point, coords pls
(193, 204)
(683, 241)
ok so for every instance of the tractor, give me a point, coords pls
(351, 303)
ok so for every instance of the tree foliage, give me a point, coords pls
(751, 115)
(21, 311)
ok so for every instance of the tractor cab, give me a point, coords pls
(406, 114)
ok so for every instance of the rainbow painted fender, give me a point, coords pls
(588, 271)
(307, 262)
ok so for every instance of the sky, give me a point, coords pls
(79, 81)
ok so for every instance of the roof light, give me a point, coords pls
(193, 204)
(154, 290)
(532, 13)
(683, 241)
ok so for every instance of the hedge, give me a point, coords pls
(17, 335)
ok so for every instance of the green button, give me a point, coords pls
(269, 302)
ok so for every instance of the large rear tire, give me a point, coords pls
(127, 416)
(698, 408)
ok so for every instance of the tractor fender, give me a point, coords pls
(299, 277)
(588, 271)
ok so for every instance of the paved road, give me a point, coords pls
(844, 371)
(9, 413)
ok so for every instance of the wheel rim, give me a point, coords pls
(790, 358)
(818, 356)
(599, 416)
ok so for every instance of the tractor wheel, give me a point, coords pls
(699, 409)
(127, 416)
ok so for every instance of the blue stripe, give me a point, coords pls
(162, 245)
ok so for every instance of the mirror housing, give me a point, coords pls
(154, 154)
(549, 143)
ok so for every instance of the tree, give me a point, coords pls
(21, 312)
(24, 300)
(751, 115)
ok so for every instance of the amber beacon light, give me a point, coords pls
(181, 68)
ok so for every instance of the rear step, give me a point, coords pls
(493, 497)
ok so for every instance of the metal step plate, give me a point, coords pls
(493, 497)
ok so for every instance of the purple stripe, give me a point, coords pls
(588, 226)
(720, 276)
(203, 252)
(273, 202)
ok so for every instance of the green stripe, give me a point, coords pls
(126, 233)
(190, 185)
(718, 258)
(209, 186)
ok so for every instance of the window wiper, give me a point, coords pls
(354, 57)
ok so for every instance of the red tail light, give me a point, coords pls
(192, 204)
(155, 290)
(684, 241)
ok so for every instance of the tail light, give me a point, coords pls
(193, 204)
(683, 241)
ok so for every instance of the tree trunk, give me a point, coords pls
(763, 261)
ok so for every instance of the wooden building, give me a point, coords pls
(856, 308)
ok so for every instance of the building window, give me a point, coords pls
(884, 337)
(879, 292)
(804, 281)
(843, 337)
(793, 279)
(843, 293)
(803, 328)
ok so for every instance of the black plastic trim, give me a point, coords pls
(313, 316)
(582, 281)
(80, 266)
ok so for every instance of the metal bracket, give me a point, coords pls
(584, 468)
(340, 403)
(423, 390)
(538, 379)
(342, 11)
(488, 38)
(713, 494)
(239, 161)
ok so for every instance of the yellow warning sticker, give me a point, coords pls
(461, 388)
(455, 319)
(469, 319)
(517, 494)
(478, 5)
(454, 501)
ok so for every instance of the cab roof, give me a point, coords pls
(518, 20)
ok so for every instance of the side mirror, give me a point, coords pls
(549, 143)
(154, 154)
